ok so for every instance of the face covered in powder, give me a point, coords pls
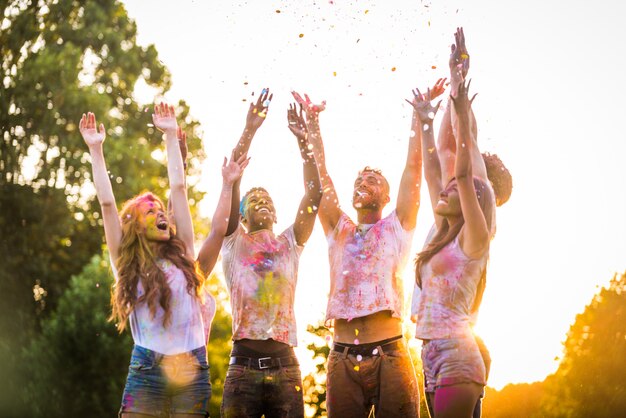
(258, 210)
(371, 191)
(154, 221)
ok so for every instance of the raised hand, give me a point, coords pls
(422, 107)
(312, 110)
(459, 58)
(437, 89)
(462, 102)
(87, 127)
(164, 118)
(182, 143)
(233, 169)
(258, 111)
(297, 124)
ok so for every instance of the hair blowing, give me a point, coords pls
(136, 261)
(446, 234)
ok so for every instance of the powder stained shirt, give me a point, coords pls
(261, 272)
(449, 283)
(366, 267)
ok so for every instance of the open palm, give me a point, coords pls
(87, 127)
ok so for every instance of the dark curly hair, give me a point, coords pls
(499, 176)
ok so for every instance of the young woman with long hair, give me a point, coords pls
(157, 289)
(451, 273)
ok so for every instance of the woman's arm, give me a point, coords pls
(94, 140)
(475, 235)
(164, 119)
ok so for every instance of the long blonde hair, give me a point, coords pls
(445, 235)
(136, 261)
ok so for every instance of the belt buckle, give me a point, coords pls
(267, 364)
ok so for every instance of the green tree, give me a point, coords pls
(314, 384)
(220, 343)
(520, 400)
(77, 366)
(590, 379)
(61, 58)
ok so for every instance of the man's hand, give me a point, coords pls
(258, 111)
(87, 127)
(164, 118)
(232, 170)
(312, 110)
(462, 102)
(297, 124)
(422, 107)
(436, 90)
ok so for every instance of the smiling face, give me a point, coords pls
(258, 210)
(449, 203)
(371, 191)
(153, 221)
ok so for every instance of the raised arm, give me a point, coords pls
(231, 173)
(305, 218)
(164, 119)
(182, 144)
(475, 235)
(94, 140)
(422, 125)
(459, 64)
(254, 119)
(329, 210)
(409, 193)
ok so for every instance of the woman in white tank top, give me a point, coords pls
(451, 271)
(157, 289)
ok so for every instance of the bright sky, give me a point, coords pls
(550, 100)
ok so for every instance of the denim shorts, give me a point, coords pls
(452, 361)
(160, 385)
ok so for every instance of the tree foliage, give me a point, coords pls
(61, 58)
(590, 379)
(77, 366)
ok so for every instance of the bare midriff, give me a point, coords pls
(367, 329)
(264, 346)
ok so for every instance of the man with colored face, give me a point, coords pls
(369, 365)
(261, 271)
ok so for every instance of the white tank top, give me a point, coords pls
(449, 283)
(186, 331)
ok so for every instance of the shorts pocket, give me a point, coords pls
(140, 361)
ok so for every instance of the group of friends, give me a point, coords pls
(160, 290)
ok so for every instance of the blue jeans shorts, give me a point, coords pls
(452, 361)
(159, 385)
